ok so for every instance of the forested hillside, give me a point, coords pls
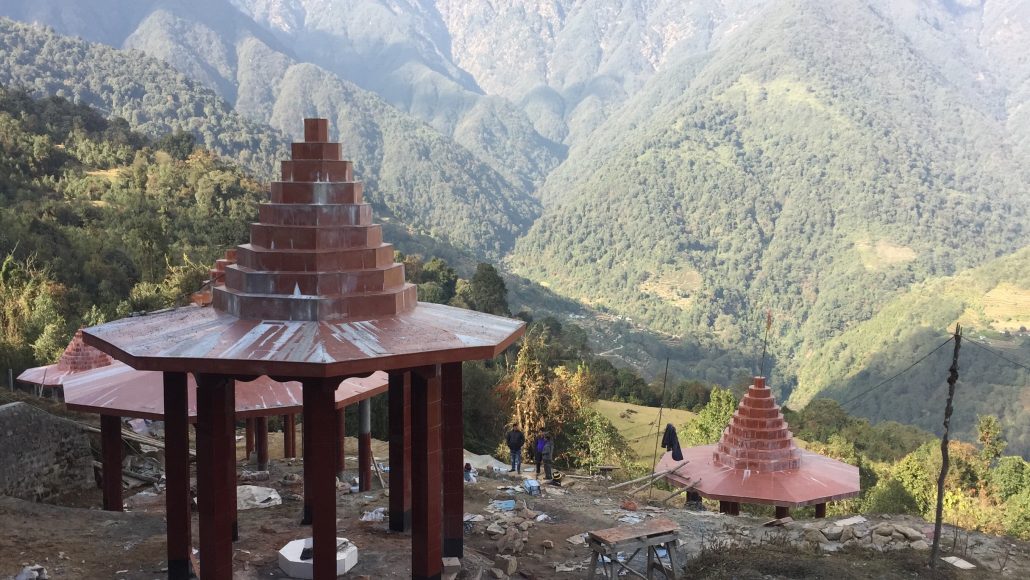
(411, 172)
(154, 97)
(97, 221)
(814, 169)
(244, 54)
(991, 302)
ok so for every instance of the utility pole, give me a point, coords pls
(658, 423)
(952, 379)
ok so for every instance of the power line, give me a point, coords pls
(999, 355)
(903, 371)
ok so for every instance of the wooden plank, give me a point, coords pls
(618, 534)
(650, 476)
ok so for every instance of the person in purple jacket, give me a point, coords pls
(538, 450)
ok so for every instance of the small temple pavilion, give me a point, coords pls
(117, 390)
(316, 298)
(756, 461)
(77, 358)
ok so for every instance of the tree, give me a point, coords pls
(988, 433)
(707, 428)
(1010, 476)
(488, 292)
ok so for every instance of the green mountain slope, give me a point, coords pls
(412, 172)
(398, 52)
(992, 302)
(815, 167)
(154, 97)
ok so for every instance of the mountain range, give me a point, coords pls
(682, 166)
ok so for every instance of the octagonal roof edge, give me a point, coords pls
(314, 294)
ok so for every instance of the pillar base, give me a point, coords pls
(180, 570)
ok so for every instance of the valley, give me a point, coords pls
(662, 174)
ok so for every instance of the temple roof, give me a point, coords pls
(77, 357)
(756, 461)
(120, 390)
(315, 293)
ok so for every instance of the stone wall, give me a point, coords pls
(41, 456)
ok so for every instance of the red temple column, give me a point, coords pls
(261, 442)
(289, 436)
(307, 458)
(111, 453)
(320, 424)
(216, 466)
(364, 445)
(249, 438)
(453, 461)
(177, 476)
(426, 464)
(820, 510)
(341, 448)
(400, 450)
(782, 512)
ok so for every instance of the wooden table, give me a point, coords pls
(649, 535)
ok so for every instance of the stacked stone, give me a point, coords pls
(757, 437)
(315, 254)
(79, 357)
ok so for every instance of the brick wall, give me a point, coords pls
(41, 455)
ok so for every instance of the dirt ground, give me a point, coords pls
(76, 540)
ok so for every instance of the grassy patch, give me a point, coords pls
(108, 174)
(637, 423)
(883, 254)
(675, 287)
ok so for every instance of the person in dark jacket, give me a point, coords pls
(671, 442)
(515, 441)
(548, 454)
(538, 450)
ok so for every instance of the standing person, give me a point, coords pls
(548, 454)
(515, 441)
(538, 450)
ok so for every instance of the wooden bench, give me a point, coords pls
(650, 535)
(606, 470)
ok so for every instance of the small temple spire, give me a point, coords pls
(315, 253)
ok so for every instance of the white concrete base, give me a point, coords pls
(294, 567)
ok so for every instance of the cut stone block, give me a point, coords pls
(291, 563)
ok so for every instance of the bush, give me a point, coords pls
(1017, 515)
(889, 496)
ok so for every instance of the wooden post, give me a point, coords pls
(426, 464)
(289, 436)
(400, 450)
(249, 438)
(261, 442)
(320, 423)
(948, 408)
(782, 512)
(307, 458)
(341, 447)
(364, 445)
(216, 490)
(453, 462)
(820, 510)
(177, 477)
(111, 452)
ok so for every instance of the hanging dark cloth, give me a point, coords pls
(672, 443)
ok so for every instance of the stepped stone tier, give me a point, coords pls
(315, 297)
(757, 437)
(78, 357)
(756, 461)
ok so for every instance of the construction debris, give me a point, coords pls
(252, 496)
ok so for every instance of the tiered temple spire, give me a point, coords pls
(757, 437)
(315, 253)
